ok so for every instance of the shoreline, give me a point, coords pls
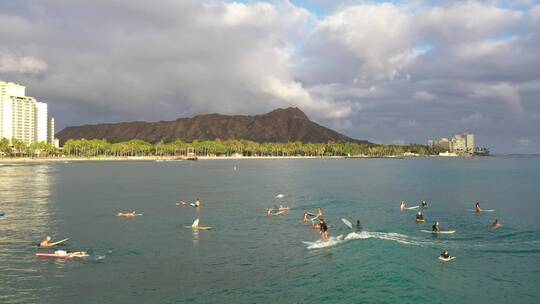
(12, 160)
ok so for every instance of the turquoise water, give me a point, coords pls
(250, 258)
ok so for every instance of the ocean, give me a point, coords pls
(248, 257)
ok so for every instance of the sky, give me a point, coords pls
(392, 72)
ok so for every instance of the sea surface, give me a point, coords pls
(250, 258)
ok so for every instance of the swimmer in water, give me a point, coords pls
(496, 224)
(477, 207)
(402, 206)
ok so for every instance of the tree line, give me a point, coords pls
(100, 147)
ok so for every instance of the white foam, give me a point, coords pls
(389, 236)
(332, 241)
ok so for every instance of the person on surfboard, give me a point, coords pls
(424, 204)
(496, 224)
(46, 242)
(324, 229)
(197, 203)
(358, 226)
(445, 254)
(419, 216)
(435, 227)
(402, 206)
(477, 207)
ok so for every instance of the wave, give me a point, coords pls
(389, 236)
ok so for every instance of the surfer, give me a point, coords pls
(424, 204)
(324, 229)
(127, 214)
(269, 211)
(197, 203)
(496, 224)
(477, 207)
(46, 242)
(419, 216)
(445, 254)
(435, 227)
(358, 226)
(402, 206)
(195, 224)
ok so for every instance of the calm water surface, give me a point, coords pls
(250, 258)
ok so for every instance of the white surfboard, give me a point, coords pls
(346, 222)
(411, 208)
(440, 232)
(446, 259)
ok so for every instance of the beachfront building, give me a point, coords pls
(459, 144)
(23, 117)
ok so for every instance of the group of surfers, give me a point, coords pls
(197, 206)
(322, 225)
(420, 216)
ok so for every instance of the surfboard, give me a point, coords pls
(120, 214)
(68, 255)
(446, 260)
(411, 208)
(54, 244)
(199, 227)
(314, 218)
(420, 221)
(440, 232)
(347, 223)
(280, 195)
(482, 210)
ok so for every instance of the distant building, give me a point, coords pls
(459, 144)
(22, 117)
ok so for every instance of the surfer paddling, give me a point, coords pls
(496, 224)
(46, 242)
(128, 214)
(445, 256)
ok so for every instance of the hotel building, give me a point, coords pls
(22, 117)
(459, 143)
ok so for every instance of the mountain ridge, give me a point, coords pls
(279, 125)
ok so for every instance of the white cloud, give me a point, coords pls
(23, 64)
(424, 96)
(505, 92)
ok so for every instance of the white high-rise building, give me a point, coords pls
(41, 122)
(50, 131)
(22, 117)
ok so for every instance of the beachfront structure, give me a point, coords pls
(23, 117)
(459, 143)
